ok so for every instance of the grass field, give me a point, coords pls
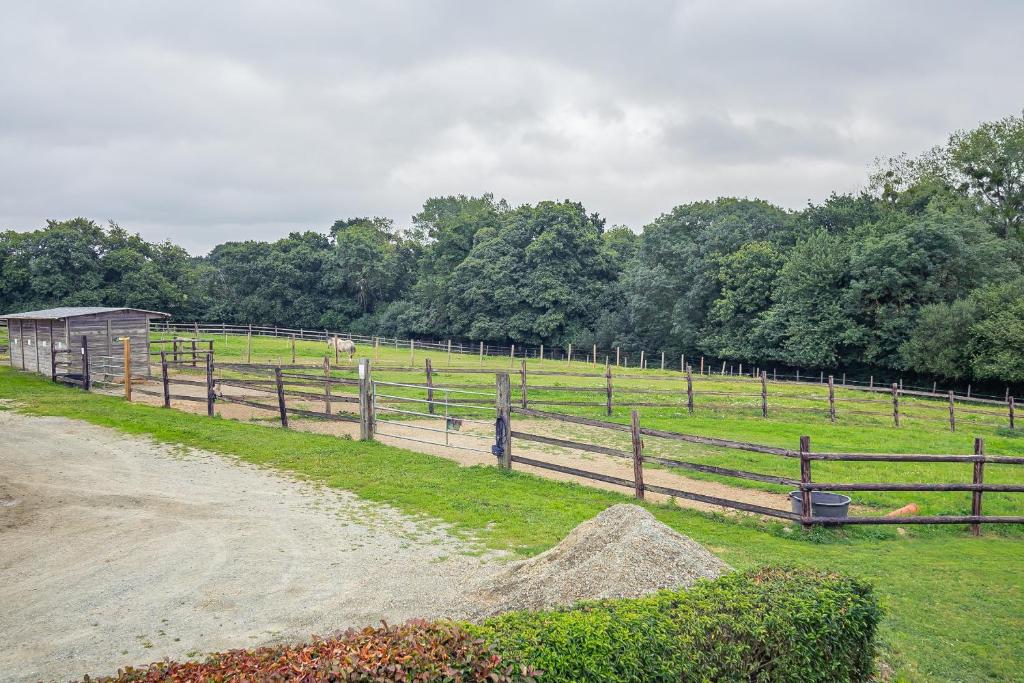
(924, 428)
(955, 604)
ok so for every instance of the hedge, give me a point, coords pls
(415, 651)
(767, 624)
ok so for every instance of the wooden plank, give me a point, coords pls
(979, 478)
(211, 395)
(722, 471)
(806, 499)
(938, 519)
(952, 413)
(608, 479)
(723, 502)
(282, 408)
(608, 387)
(430, 389)
(575, 445)
(503, 407)
(689, 387)
(366, 399)
(895, 405)
(916, 457)
(575, 419)
(522, 384)
(897, 486)
(831, 399)
(638, 455)
(723, 443)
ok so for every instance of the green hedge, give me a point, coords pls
(769, 624)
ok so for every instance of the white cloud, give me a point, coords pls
(204, 122)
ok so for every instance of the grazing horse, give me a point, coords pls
(342, 346)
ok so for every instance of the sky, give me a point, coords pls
(204, 122)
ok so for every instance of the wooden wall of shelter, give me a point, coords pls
(32, 340)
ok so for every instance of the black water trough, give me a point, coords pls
(823, 504)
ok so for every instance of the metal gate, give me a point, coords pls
(465, 419)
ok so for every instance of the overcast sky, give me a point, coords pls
(202, 122)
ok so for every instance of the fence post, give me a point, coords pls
(293, 349)
(503, 406)
(702, 365)
(522, 385)
(195, 363)
(682, 362)
(723, 368)
(568, 359)
(952, 414)
(831, 399)
(449, 352)
(689, 388)
(481, 354)
(979, 479)
(806, 504)
(327, 384)
(365, 400)
(764, 394)
(617, 352)
(248, 344)
(662, 360)
(281, 407)
(127, 342)
(895, 404)
(638, 456)
(608, 386)
(1010, 406)
(412, 354)
(595, 354)
(163, 376)
(53, 361)
(86, 370)
(512, 355)
(430, 385)
(210, 395)
(541, 356)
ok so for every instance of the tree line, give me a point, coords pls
(922, 270)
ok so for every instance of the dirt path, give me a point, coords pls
(470, 445)
(116, 550)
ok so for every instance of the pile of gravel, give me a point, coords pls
(624, 552)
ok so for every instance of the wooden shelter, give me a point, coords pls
(34, 335)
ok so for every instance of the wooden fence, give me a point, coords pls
(805, 484)
(591, 354)
(280, 385)
(759, 395)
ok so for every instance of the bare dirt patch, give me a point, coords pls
(470, 445)
(118, 550)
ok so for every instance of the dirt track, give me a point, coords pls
(116, 550)
(470, 445)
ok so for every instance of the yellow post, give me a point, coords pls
(127, 367)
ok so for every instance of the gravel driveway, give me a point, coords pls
(117, 550)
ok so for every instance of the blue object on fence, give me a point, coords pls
(500, 428)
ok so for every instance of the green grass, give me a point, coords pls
(924, 431)
(955, 604)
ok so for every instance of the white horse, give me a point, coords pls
(342, 346)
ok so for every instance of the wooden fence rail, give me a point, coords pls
(550, 354)
(281, 386)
